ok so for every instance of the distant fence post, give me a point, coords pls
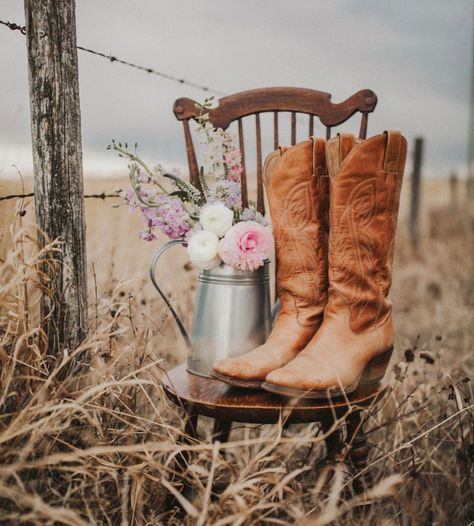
(470, 189)
(57, 163)
(415, 192)
(453, 189)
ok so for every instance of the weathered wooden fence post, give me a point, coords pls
(57, 162)
(415, 192)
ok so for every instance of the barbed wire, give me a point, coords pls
(22, 29)
(112, 58)
(103, 195)
(14, 27)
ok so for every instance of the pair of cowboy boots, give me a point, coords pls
(334, 208)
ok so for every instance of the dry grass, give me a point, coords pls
(105, 447)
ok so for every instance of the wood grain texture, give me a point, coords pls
(57, 162)
(215, 399)
(300, 100)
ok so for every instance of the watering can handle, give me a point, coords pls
(177, 319)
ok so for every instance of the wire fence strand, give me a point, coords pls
(112, 58)
(102, 195)
(14, 27)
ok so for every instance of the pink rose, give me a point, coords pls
(246, 245)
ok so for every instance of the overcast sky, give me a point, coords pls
(416, 55)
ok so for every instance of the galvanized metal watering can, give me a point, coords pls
(232, 312)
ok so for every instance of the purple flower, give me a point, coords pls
(227, 192)
(249, 214)
(130, 197)
(167, 214)
(147, 235)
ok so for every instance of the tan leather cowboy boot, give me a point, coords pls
(298, 200)
(354, 344)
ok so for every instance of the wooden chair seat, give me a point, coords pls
(215, 399)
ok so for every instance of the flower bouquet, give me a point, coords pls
(229, 243)
(209, 220)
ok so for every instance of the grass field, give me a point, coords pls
(100, 446)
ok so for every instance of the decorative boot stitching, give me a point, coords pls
(355, 248)
(298, 215)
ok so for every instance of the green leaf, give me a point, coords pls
(194, 195)
(180, 195)
(202, 180)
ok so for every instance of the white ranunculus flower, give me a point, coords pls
(202, 250)
(216, 218)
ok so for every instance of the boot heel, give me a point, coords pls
(375, 369)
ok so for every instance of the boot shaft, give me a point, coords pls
(297, 189)
(365, 188)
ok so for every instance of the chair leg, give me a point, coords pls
(190, 434)
(359, 449)
(183, 458)
(220, 433)
(222, 429)
(334, 443)
(190, 427)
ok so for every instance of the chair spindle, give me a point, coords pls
(192, 162)
(363, 125)
(243, 179)
(293, 128)
(275, 130)
(260, 203)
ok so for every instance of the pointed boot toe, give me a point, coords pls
(226, 366)
(283, 377)
(283, 381)
(237, 373)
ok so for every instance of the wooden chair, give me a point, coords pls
(226, 404)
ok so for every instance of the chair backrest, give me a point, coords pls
(254, 102)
